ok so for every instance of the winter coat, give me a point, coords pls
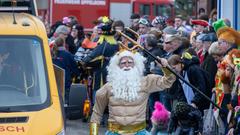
(210, 65)
(197, 77)
(66, 61)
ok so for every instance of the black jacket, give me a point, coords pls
(210, 65)
(197, 77)
(176, 92)
(71, 46)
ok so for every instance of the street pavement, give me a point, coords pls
(77, 127)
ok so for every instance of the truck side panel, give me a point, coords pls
(86, 14)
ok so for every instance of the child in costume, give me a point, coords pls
(185, 120)
(160, 118)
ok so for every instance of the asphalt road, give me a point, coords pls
(77, 127)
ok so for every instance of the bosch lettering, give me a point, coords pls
(12, 129)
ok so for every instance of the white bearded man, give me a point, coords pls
(126, 94)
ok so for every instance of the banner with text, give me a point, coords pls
(82, 2)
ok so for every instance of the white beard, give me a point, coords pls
(125, 84)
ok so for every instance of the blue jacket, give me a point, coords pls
(66, 61)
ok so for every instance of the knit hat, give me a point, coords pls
(62, 29)
(170, 30)
(160, 114)
(200, 37)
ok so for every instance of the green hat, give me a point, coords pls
(219, 24)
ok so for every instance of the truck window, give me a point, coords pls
(26, 6)
(144, 9)
(23, 78)
(163, 10)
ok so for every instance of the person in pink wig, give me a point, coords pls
(160, 118)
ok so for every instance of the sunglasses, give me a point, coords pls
(143, 21)
(167, 42)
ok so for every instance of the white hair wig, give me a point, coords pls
(126, 84)
(137, 58)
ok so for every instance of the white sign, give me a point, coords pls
(67, 1)
(93, 2)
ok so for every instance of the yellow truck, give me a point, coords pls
(30, 103)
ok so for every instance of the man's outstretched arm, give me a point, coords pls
(158, 82)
